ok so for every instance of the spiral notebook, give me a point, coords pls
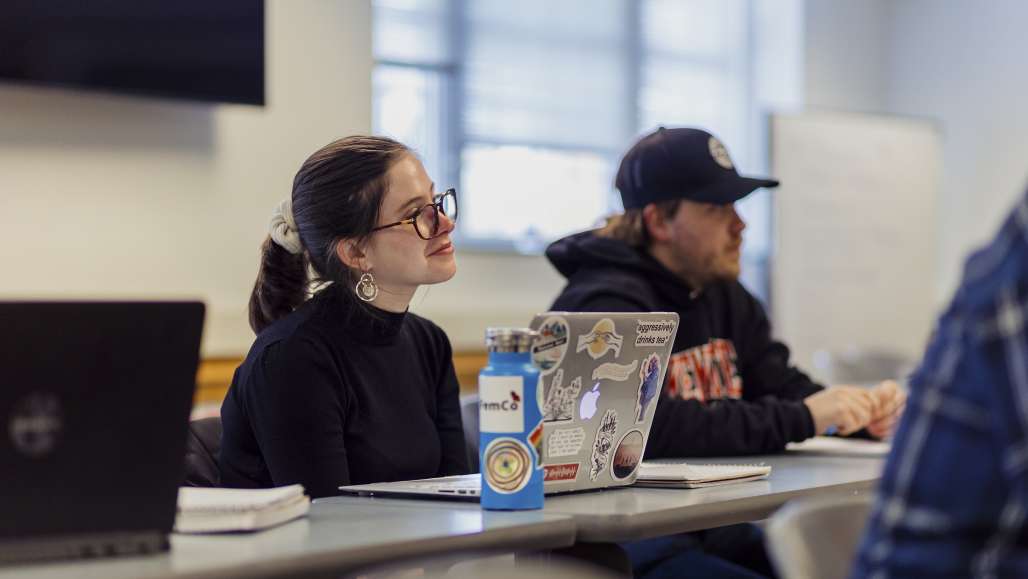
(838, 446)
(216, 510)
(666, 474)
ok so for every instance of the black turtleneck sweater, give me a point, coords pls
(729, 387)
(337, 394)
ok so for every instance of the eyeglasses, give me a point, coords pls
(426, 220)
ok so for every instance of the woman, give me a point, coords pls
(346, 386)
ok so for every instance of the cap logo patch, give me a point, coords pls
(719, 153)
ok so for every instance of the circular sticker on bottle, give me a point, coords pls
(627, 456)
(507, 465)
(551, 345)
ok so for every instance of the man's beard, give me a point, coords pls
(724, 269)
(716, 270)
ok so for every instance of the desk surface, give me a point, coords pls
(629, 513)
(346, 533)
(336, 537)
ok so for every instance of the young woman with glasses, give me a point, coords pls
(343, 385)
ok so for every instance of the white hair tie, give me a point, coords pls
(283, 229)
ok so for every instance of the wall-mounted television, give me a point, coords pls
(208, 50)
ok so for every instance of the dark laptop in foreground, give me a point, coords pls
(601, 379)
(94, 409)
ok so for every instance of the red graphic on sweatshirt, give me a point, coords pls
(706, 372)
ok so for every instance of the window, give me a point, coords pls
(527, 110)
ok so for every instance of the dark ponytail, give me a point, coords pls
(280, 286)
(337, 194)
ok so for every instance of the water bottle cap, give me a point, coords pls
(510, 339)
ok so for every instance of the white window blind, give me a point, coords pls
(526, 107)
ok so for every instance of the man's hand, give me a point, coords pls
(890, 401)
(847, 408)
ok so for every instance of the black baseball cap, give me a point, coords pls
(681, 163)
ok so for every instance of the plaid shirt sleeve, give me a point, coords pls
(953, 498)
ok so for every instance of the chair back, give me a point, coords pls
(469, 417)
(202, 445)
(817, 538)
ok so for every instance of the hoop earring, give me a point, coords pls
(366, 288)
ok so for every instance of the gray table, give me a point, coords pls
(628, 514)
(338, 536)
(347, 533)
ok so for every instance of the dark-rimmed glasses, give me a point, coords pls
(426, 220)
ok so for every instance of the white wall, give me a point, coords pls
(104, 196)
(489, 290)
(963, 63)
(956, 62)
(846, 51)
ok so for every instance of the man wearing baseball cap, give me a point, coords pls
(730, 389)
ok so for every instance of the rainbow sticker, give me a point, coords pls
(535, 438)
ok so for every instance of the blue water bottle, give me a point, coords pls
(510, 422)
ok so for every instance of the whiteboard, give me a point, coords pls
(854, 233)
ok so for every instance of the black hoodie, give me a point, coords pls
(729, 387)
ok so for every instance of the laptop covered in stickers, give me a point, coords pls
(600, 381)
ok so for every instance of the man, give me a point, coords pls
(729, 389)
(954, 495)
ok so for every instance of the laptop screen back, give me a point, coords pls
(94, 410)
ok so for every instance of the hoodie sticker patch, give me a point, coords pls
(551, 345)
(654, 333)
(601, 340)
(649, 385)
(706, 372)
(559, 404)
(616, 372)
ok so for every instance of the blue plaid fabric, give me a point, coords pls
(954, 494)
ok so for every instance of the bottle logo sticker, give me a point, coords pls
(500, 406)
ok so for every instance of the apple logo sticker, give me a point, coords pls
(588, 407)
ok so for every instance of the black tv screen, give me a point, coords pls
(211, 50)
